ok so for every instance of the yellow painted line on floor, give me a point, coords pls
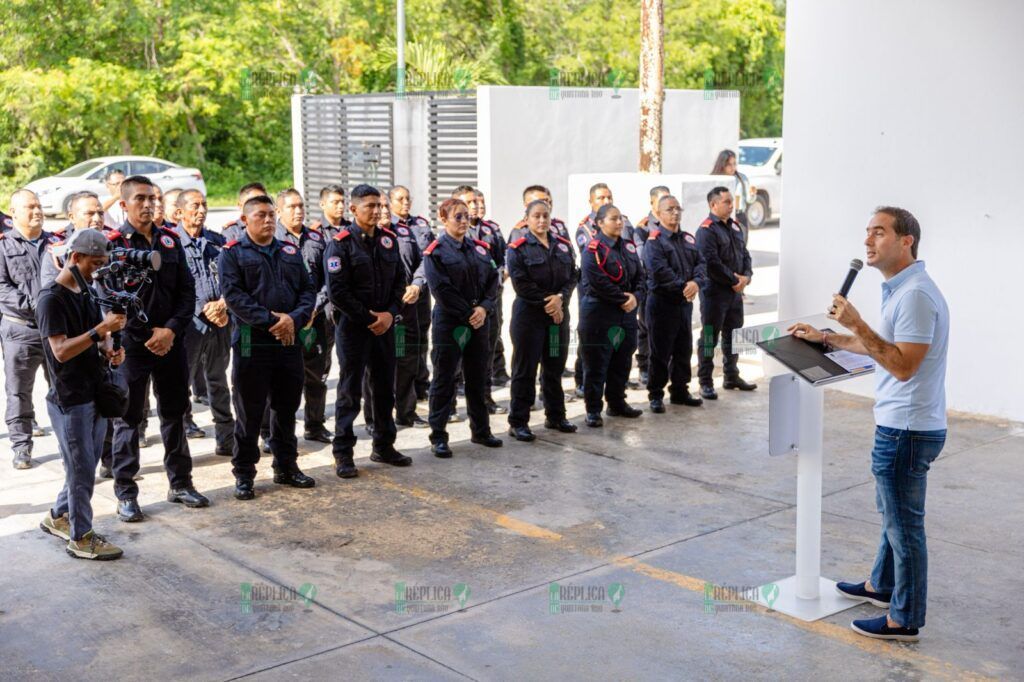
(838, 633)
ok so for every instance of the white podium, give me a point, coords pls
(795, 425)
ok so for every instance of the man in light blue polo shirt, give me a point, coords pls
(910, 416)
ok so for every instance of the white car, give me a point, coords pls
(760, 160)
(55, 191)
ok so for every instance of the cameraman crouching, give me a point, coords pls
(76, 341)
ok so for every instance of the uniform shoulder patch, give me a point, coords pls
(592, 246)
(388, 232)
(562, 239)
(341, 236)
(517, 243)
(483, 244)
(706, 223)
(430, 249)
(167, 230)
(230, 243)
(689, 238)
(233, 223)
(655, 233)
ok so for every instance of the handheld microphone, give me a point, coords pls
(855, 266)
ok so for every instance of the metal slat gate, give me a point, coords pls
(453, 145)
(346, 141)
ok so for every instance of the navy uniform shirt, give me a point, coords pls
(364, 272)
(417, 226)
(233, 231)
(644, 227)
(610, 270)
(721, 244)
(672, 259)
(311, 245)
(557, 228)
(329, 231)
(201, 253)
(6, 223)
(461, 276)
(256, 281)
(587, 230)
(410, 250)
(171, 296)
(20, 262)
(537, 271)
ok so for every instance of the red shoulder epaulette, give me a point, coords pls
(386, 230)
(170, 232)
(344, 234)
(521, 223)
(227, 225)
(706, 223)
(318, 226)
(563, 239)
(113, 234)
(483, 244)
(430, 249)
(643, 222)
(517, 243)
(490, 223)
(592, 246)
(654, 233)
(230, 243)
(584, 221)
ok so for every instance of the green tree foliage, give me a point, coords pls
(208, 83)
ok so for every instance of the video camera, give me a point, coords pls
(120, 282)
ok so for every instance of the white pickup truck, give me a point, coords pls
(760, 160)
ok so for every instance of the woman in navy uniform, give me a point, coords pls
(608, 308)
(543, 273)
(463, 278)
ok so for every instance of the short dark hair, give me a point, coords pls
(183, 197)
(78, 196)
(597, 186)
(905, 223)
(130, 183)
(176, 192)
(536, 188)
(660, 189)
(252, 202)
(462, 189)
(715, 191)
(287, 193)
(603, 212)
(331, 189)
(666, 198)
(537, 202)
(391, 192)
(111, 173)
(250, 187)
(363, 191)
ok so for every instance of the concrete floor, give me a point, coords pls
(650, 510)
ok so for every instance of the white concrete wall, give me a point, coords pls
(534, 135)
(918, 105)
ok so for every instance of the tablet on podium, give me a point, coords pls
(814, 362)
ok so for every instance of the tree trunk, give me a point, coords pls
(652, 86)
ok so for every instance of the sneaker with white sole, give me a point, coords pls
(59, 527)
(95, 547)
(857, 591)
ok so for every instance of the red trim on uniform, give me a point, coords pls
(563, 239)
(584, 221)
(643, 222)
(483, 244)
(430, 248)
(341, 235)
(517, 243)
(600, 264)
(113, 234)
(654, 233)
(706, 223)
(169, 231)
(387, 231)
(318, 226)
(230, 243)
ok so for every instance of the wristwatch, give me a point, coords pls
(95, 335)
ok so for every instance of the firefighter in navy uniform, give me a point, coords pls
(22, 251)
(499, 374)
(611, 276)
(365, 282)
(291, 212)
(675, 272)
(233, 231)
(400, 205)
(720, 240)
(464, 280)
(543, 273)
(271, 297)
(640, 233)
(154, 351)
(484, 231)
(332, 208)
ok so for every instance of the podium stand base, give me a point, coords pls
(828, 602)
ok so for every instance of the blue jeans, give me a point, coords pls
(80, 431)
(900, 462)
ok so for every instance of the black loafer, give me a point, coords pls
(189, 497)
(626, 411)
(244, 489)
(708, 393)
(441, 450)
(488, 441)
(738, 384)
(522, 433)
(192, 430)
(686, 399)
(319, 436)
(295, 479)
(226, 451)
(345, 468)
(129, 510)
(392, 457)
(657, 406)
(594, 420)
(416, 422)
(265, 446)
(22, 460)
(565, 426)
